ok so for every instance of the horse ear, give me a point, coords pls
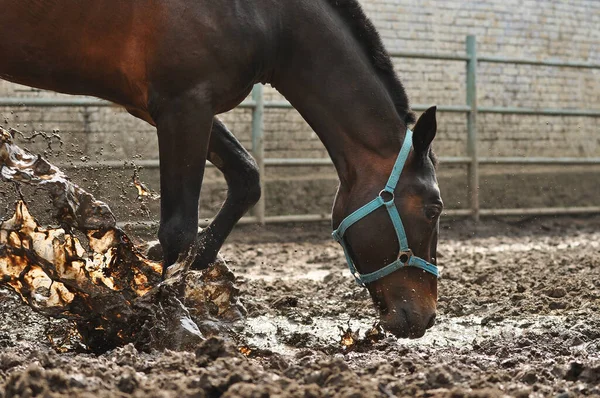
(424, 131)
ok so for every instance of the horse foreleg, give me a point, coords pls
(243, 183)
(183, 126)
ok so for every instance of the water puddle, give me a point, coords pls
(267, 332)
(314, 275)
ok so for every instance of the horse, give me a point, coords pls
(176, 64)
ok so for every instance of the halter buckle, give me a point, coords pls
(404, 256)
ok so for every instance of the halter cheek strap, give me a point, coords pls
(385, 198)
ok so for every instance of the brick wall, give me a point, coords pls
(542, 29)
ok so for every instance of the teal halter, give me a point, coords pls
(385, 198)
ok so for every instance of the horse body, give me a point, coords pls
(176, 64)
(71, 47)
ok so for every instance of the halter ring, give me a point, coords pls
(388, 193)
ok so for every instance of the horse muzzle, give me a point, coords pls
(407, 320)
(407, 302)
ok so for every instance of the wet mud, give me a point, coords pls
(519, 315)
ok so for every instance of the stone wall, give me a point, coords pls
(541, 29)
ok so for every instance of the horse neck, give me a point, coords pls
(328, 78)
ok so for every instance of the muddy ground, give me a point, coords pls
(519, 315)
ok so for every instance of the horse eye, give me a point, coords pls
(433, 212)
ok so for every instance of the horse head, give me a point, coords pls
(390, 234)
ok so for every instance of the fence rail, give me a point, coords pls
(258, 105)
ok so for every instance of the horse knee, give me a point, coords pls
(253, 178)
(247, 189)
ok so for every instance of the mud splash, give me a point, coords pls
(101, 281)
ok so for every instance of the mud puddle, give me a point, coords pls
(450, 332)
(316, 276)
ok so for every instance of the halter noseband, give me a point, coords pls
(385, 198)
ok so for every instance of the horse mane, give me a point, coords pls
(366, 35)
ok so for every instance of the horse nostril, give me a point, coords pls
(431, 322)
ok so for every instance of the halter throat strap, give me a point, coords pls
(385, 199)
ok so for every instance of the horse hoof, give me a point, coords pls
(154, 251)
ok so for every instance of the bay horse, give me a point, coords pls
(178, 63)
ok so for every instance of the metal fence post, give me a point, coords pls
(258, 147)
(472, 126)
